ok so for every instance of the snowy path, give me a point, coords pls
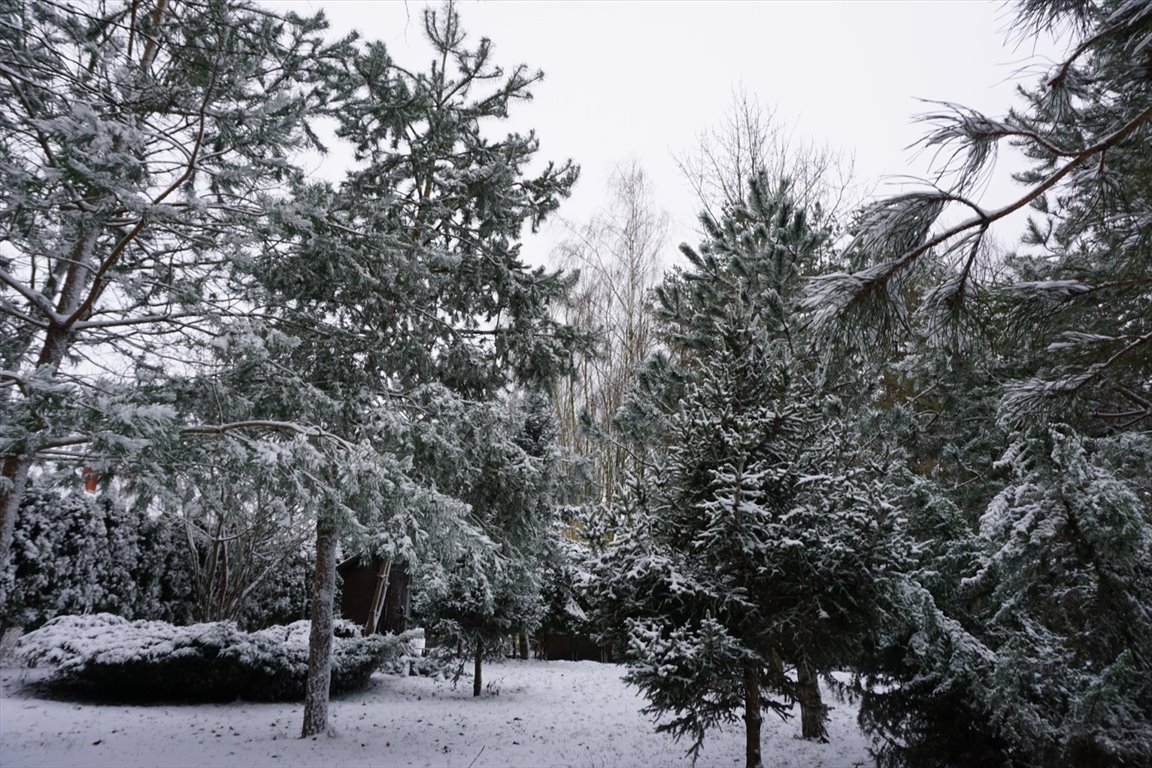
(535, 713)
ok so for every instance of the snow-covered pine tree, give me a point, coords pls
(402, 290)
(1071, 308)
(934, 404)
(492, 592)
(138, 142)
(1079, 290)
(1038, 656)
(753, 551)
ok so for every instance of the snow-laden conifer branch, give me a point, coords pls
(6, 308)
(901, 224)
(34, 297)
(96, 286)
(1026, 394)
(147, 320)
(304, 430)
(14, 80)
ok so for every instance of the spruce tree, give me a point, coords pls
(754, 549)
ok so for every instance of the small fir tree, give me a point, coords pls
(481, 600)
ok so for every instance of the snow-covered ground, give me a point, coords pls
(534, 713)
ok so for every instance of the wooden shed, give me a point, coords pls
(565, 646)
(376, 594)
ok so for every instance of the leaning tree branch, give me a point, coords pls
(34, 297)
(1097, 369)
(1058, 79)
(306, 430)
(118, 250)
(213, 430)
(987, 218)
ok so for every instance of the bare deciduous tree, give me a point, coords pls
(618, 253)
(750, 139)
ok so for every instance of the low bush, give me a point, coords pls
(106, 656)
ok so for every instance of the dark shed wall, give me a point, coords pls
(360, 585)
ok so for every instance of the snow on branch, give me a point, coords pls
(1028, 393)
(292, 427)
(901, 224)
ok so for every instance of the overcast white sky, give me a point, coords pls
(641, 80)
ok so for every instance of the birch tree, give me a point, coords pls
(619, 255)
(751, 139)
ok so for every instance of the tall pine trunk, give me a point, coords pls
(812, 713)
(477, 681)
(57, 343)
(320, 639)
(753, 717)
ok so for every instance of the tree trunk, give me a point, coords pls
(12, 482)
(477, 682)
(753, 717)
(812, 713)
(320, 639)
(57, 342)
(523, 646)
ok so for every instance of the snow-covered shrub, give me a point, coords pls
(417, 660)
(108, 656)
(74, 553)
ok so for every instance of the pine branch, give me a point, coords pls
(269, 425)
(831, 295)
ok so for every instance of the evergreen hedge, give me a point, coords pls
(108, 657)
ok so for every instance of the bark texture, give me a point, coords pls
(12, 483)
(320, 640)
(753, 717)
(477, 681)
(812, 713)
